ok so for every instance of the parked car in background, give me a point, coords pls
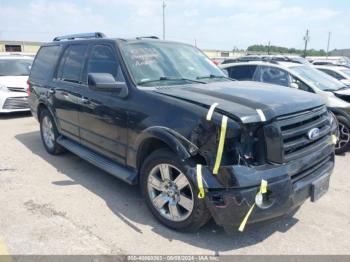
(341, 73)
(14, 72)
(330, 60)
(302, 77)
(154, 113)
(277, 58)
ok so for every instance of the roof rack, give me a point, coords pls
(150, 37)
(80, 36)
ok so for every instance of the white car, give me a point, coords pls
(14, 72)
(340, 73)
(303, 77)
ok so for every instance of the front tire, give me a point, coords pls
(49, 133)
(170, 194)
(343, 144)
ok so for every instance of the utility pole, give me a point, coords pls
(164, 5)
(268, 48)
(329, 40)
(306, 39)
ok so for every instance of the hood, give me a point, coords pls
(14, 81)
(242, 99)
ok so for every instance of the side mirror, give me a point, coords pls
(106, 82)
(294, 85)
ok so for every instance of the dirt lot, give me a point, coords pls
(63, 205)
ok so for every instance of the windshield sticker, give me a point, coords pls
(144, 56)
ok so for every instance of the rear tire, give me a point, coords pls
(49, 133)
(343, 144)
(165, 192)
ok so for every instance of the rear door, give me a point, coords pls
(103, 118)
(66, 89)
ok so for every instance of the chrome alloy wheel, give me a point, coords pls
(48, 134)
(170, 192)
(344, 136)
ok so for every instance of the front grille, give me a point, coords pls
(287, 137)
(294, 133)
(16, 89)
(16, 103)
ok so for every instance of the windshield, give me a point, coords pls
(318, 78)
(163, 63)
(15, 67)
(345, 71)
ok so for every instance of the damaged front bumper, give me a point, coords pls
(289, 185)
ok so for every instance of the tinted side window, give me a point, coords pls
(72, 63)
(333, 74)
(274, 75)
(45, 63)
(245, 72)
(103, 60)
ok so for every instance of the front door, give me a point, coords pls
(103, 118)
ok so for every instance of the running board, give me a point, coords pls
(96, 159)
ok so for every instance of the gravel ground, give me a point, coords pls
(64, 205)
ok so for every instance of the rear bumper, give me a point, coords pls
(289, 186)
(13, 102)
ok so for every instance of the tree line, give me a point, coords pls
(284, 50)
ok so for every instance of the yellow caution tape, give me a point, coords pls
(221, 145)
(201, 193)
(334, 139)
(263, 190)
(211, 111)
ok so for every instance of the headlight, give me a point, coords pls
(3, 88)
(334, 124)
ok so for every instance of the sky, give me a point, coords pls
(211, 24)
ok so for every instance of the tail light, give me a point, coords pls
(28, 88)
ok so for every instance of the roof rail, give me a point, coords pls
(80, 36)
(150, 37)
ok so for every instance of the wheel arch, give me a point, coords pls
(157, 137)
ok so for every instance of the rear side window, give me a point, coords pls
(45, 63)
(242, 73)
(72, 63)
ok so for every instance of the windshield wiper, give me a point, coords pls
(168, 78)
(214, 77)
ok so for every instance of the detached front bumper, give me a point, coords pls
(13, 102)
(289, 185)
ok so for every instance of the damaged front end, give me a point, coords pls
(279, 152)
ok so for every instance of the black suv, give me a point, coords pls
(160, 114)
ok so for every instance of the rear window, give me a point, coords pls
(242, 72)
(45, 63)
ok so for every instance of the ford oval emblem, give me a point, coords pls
(313, 134)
